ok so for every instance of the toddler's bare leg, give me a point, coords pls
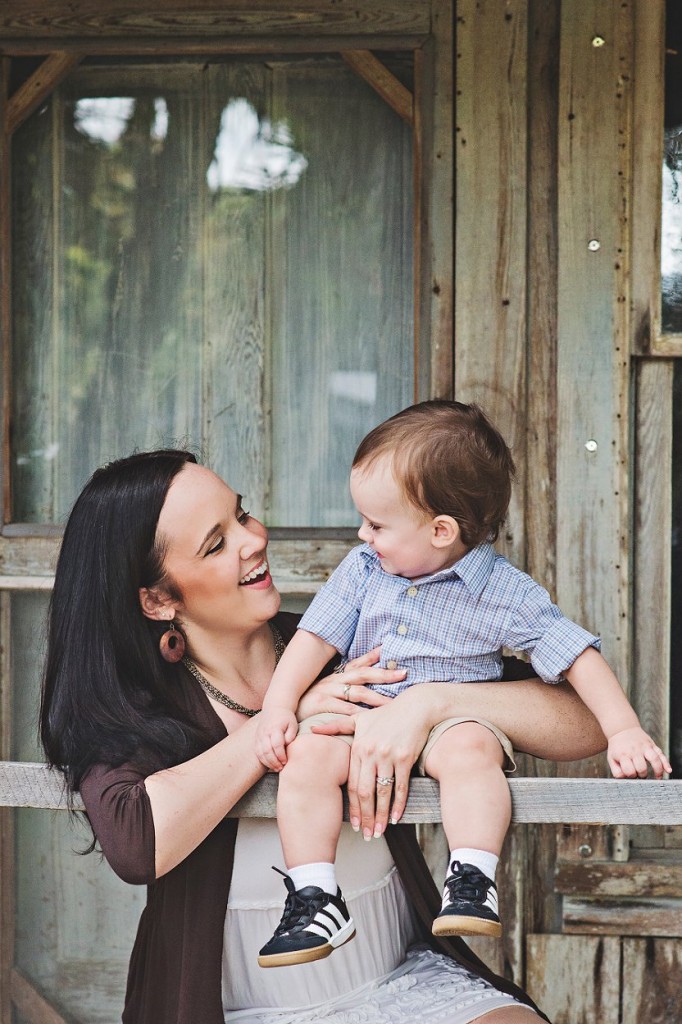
(309, 800)
(467, 761)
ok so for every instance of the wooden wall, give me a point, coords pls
(557, 158)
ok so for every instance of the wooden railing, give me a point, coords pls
(559, 801)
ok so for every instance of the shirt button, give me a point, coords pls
(391, 664)
(411, 591)
(402, 629)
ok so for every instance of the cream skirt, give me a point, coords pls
(379, 977)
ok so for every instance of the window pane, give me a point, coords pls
(218, 256)
(671, 225)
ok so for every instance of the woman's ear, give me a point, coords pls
(156, 605)
(444, 531)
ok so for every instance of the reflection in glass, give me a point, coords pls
(671, 233)
(253, 154)
(671, 219)
(103, 119)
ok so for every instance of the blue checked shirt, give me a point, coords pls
(451, 626)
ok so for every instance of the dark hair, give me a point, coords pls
(107, 695)
(448, 459)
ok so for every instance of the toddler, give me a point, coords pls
(432, 485)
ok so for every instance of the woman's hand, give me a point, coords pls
(341, 692)
(387, 743)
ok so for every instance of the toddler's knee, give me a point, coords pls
(466, 746)
(315, 757)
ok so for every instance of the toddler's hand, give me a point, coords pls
(276, 728)
(632, 751)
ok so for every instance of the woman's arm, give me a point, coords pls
(549, 721)
(188, 801)
(147, 826)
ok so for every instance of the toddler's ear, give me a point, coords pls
(444, 531)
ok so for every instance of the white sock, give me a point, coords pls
(321, 874)
(484, 861)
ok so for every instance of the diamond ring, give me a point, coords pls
(383, 780)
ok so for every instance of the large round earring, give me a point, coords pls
(172, 644)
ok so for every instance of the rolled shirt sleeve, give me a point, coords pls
(539, 628)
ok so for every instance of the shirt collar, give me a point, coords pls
(474, 569)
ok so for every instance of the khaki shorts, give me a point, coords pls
(437, 731)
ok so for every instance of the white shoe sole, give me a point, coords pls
(454, 925)
(307, 956)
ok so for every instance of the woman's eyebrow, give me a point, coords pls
(208, 536)
(216, 527)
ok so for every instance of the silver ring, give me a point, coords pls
(383, 780)
(346, 691)
(339, 669)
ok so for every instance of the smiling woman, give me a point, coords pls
(159, 762)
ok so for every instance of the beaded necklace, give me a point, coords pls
(221, 697)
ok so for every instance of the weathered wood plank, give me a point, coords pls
(593, 342)
(208, 46)
(434, 188)
(647, 143)
(652, 969)
(383, 81)
(543, 87)
(575, 978)
(491, 203)
(650, 689)
(540, 904)
(592, 364)
(38, 87)
(32, 1006)
(118, 18)
(643, 878)
(24, 784)
(622, 917)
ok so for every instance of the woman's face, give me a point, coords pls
(216, 555)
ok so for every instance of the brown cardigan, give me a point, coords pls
(176, 963)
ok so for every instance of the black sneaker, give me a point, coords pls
(313, 924)
(469, 904)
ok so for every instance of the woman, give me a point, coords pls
(158, 551)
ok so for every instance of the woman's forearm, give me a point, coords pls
(189, 800)
(546, 720)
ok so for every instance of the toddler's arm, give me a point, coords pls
(303, 660)
(631, 750)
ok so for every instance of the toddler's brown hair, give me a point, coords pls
(449, 459)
